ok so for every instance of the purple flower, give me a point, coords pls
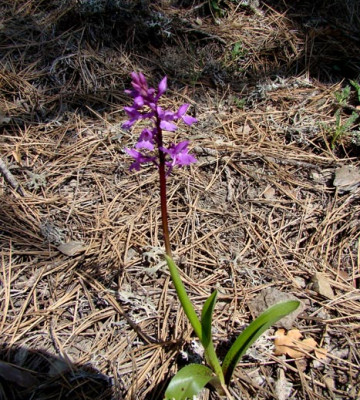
(168, 126)
(166, 116)
(162, 87)
(179, 154)
(186, 118)
(142, 94)
(189, 120)
(146, 140)
(139, 159)
(139, 84)
(145, 106)
(133, 114)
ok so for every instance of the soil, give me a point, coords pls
(88, 310)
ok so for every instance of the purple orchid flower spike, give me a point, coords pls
(145, 107)
(150, 147)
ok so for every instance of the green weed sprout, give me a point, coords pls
(191, 379)
(356, 86)
(342, 128)
(343, 96)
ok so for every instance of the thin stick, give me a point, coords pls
(9, 177)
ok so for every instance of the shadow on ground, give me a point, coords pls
(35, 374)
(331, 32)
(80, 56)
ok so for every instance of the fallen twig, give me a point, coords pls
(10, 179)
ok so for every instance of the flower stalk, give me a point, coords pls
(150, 147)
(163, 198)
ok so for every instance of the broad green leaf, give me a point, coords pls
(188, 382)
(183, 297)
(253, 331)
(207, 342)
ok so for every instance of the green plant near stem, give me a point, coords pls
(215, 8)
(356, 86)
(343, 96)
(239, 103)
(238, 51)
(190, 380)
(342, 128)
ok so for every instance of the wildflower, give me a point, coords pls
(145, 106)
(162, 87)
(186, 118)
(146, 140)
(179, 154)
(139, 159)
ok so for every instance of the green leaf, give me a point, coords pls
(215, 6)
(188, 382)
(206, 318)
(183, 297)
(350, 121)
(343, 96)
(357, 88)
(194, 320)
(207, 342)
(253, 331)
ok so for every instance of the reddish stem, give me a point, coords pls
(163, 202)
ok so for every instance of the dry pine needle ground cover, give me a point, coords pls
(87, 308)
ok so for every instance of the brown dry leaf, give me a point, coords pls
(291, 345)
(284, 343)
(320, 353)
(72, 248)
(308, 344)
(269, 193)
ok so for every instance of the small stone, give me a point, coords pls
(322, 286)
(300, 282)
(271, 296)
(347, 178)
(283, 387)
(71, 248)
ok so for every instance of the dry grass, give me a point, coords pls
(259, 209)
